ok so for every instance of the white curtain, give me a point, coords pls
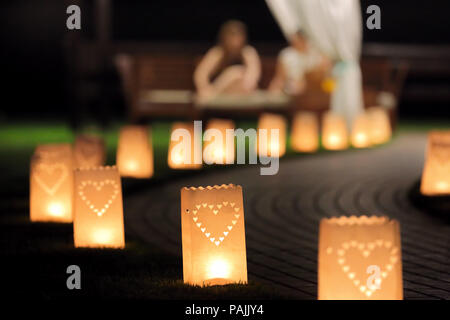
(335, 27)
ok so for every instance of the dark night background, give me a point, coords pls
(32, 33)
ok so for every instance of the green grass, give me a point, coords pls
(35, 258)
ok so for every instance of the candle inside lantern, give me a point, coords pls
(334, 132)
(98, 209)
(271, 135)
(51, 183)
(305, 132)
(213, 235)
(360, 259)
(89, 151)
(182, 147)
(380, 125)
(135, 152)
(361, 132)
(436, 172)
(219, 149)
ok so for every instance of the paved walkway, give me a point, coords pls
(283, 212)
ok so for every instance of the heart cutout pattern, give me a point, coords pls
(215, 209)
(100, 210)
(366, 250)
(45, 174)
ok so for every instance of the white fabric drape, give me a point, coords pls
(335, 27)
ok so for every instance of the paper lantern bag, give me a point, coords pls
(135, 152)
(98, 211)
(358, 253)
(268, 145)
(51, 184)
(305, 132)
(360, 136)
(179, 150)
(334, 132)
(219, 152)
(213, 235)
(436, 172)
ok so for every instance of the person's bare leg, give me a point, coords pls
(230, 81)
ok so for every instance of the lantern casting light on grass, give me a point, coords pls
(305, 132)
(182, 147)
(89, 151)
(436, 171)
(271, 135)
(135, 152)
(220, 151)
(213, 235)
(98, 209)
(51, 183)
(334, 132)
(359, 259)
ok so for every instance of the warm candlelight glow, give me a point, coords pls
(442, 186)
(360, 132)
(98, 210)
(380, 125)
(334, 132)
(213, 235)
(218, 268)
(271, 135)
(56, 209)
(360, 259)
(305, 132)
(135, 152)
(182, 153)
(436, 171)
(217, 149)
(102, 237)
(51, 183)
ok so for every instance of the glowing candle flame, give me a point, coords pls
(56, 209)
(218, 268)
(102, 236)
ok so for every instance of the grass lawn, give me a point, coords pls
(35, 256)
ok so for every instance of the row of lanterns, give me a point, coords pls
(71, 184)
(135, 154)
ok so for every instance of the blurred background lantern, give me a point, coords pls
(305, 132)
(268, 145)
(360, 258)
(436, 171)
(98, 211)
(51, 183)
(213, 235)
(135, 152)
(380, 125)
(360, 137)
(89, 151)
(182, 147)
(222, 151)
(334, 132)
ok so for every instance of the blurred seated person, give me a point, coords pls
(231, 67)
(295, 63)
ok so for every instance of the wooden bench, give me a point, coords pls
(161, 85)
